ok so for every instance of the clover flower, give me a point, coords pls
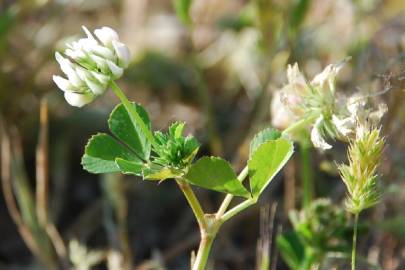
(94, 62)
(333, 116)
(312, 100)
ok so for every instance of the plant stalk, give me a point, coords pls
(193, 202)
(356, 221)
(306, 175)
(203, 252)
(133, 114)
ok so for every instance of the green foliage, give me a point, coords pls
(182, 8)
(172, 155)
(173, 148)
(105, 154)
(216, 174)
(101, 152)
(298, 14)
(321, 226)
(262, 137)
(291, 248)
(129, 132)
(318, 229)
(266, 162)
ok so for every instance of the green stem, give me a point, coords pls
(238, 208)
(203, 252)
(299, 124)
(356, 221)
(306, 172)
(193, 202)
(229, 197)
(133, 114)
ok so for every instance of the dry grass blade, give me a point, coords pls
(42, 183)
(264, 244)
(42, 167)
(11, 205)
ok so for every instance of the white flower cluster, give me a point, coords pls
(95, 63)
(334, 117)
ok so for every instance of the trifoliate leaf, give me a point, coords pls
(262, 137)
(129, 133)
(101, 152)
(216, 174)
(266, 162)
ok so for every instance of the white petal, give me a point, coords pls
(62, 83)
(294, 75)
(106, 35)
(328, 74)
(68, 68)
(281, 117)
(78, 99)
(84, 74)
(75, 54)
(115, 70)
(122, 52)
(344, 126)
(316, 136)
(102, 52)
(88, 33)
(95, 87)
(85, 44)
(103, 79)
(99, 61)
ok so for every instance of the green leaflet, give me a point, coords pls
(127, 153)
(101, 152)
(262, 137)
(129, 167)
(266, 162)
(216, 174)
(123, 128)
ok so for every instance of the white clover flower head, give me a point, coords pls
(94, 62)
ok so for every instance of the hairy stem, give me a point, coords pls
(356, 221)
(133, 114)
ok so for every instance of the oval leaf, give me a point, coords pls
(129, 133)
(216, 174)
(266, 162)
(101, 152)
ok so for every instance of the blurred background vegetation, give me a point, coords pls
(215, 65)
